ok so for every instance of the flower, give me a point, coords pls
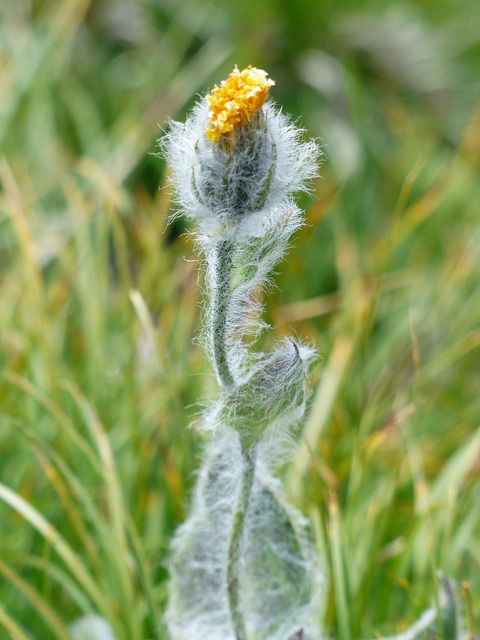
(236, 100)
(237, 160)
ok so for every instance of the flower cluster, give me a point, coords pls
(236, 100)
(237, 157)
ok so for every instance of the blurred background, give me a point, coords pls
(101, 375)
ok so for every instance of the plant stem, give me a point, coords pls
(234, 545)
(220, 303)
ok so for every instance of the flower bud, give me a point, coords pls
(237, 155)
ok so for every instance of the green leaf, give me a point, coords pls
(280, 579)
(271, 397)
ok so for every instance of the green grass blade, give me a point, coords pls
(116, 507)
(63, 549)
(41, 605)
(13, 628)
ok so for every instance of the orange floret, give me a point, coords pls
(236, 100)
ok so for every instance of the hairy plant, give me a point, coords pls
(242, 564)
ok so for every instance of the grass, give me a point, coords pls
(100, 372)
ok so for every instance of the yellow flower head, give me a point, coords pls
(236, 100)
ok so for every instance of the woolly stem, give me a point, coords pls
(220, 302)
(234, 545)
